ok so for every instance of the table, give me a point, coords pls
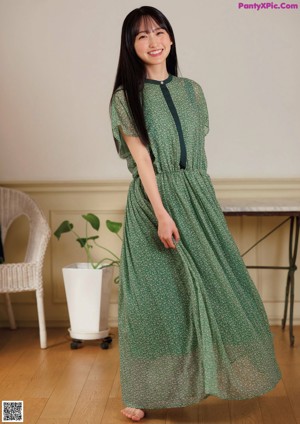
(273, 207)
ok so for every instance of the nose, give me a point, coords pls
(152, 40)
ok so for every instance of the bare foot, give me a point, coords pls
(133, 413)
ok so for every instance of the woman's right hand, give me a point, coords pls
(166, 229)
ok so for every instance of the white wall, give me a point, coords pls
(57, 68)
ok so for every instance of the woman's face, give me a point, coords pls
(152, 43)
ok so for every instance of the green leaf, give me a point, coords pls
(83, 240)
(65, 227)
(93, 220)
(114, 227)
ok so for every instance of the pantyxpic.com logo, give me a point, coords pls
(268, 6)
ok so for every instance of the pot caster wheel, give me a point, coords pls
(75, 344)
(104, 345)
(106, 342)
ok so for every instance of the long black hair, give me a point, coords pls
(131, 72)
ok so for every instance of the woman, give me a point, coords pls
(191, 321)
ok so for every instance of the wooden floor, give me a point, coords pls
(59, 385)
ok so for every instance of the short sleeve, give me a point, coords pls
(121, 118)
(202, 107)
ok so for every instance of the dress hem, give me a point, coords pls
(190, 403)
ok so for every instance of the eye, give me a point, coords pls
(161, 31)
(142, 36)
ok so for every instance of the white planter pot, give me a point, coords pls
(88, 293)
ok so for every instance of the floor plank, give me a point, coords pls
(13, 344)
(276, 407)
(187, 415)
(53, 421)
(63, 386)
(112, 414)
(291, 382)
(92, 402)
(50, 370)
(214, 410)
(33, 408)
(64, 397)
(21, 372)
(245, 411)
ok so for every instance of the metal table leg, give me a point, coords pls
(290, 284)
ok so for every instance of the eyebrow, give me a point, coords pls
(155, 29)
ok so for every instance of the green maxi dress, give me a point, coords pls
(191, 321)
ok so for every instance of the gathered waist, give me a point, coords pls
(176, 172)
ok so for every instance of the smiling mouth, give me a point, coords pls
(155, 52)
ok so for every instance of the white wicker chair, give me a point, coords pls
(26, 276)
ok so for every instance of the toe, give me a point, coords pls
(134, 413)
(125, 412)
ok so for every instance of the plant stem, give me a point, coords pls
(119, 236)
(111, 263)
(109, 251)
(89, 257)
(86, 245)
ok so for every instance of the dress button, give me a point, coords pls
(161, 82)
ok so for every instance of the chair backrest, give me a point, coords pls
(14, 203)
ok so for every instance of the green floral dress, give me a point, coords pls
(191, 321)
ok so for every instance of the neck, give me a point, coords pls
(159, 73)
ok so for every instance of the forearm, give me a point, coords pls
(146, 172)
(167, 229)
(148, 178)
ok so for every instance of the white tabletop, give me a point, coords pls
(260, 205)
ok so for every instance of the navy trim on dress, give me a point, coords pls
(174, 113)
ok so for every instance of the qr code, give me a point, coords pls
(12, 411)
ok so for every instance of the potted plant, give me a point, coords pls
(88, 285)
